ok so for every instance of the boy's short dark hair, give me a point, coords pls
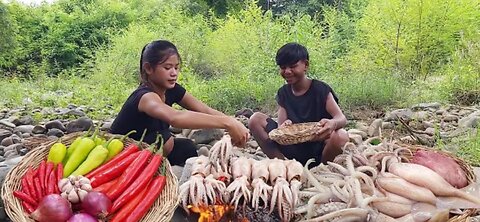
(290, 54)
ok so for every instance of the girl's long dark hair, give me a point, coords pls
(155, 53)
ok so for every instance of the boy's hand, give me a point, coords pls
(327, 127)
(286, 123)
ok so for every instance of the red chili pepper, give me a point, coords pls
(48, 170)
(131, 173)
(59, 170)
(28, 208)
(41, 174)
(51, 183)
(23, 196)
(56, 189)
(104, 188)
(154, 190)
(113, 172)
(25, 187)
(39, 188)
(130, 149)
(126, 210)
(140, 182)
(31, 184)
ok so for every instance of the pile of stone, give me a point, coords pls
(424, 123)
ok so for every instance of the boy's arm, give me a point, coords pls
(337, 115)
(328, 126)
(282, 116)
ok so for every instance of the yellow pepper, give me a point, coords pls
(94, 159)
(99, 140)
(116, 146)
(57, 153)
(79, 154)
(74, 145)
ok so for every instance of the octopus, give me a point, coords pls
(282, 196)
(221, 152)
(201, 189)
(261, 190)
(295, 178)
(241, 170)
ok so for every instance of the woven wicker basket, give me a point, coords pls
(294, 134)
(471, 177)
(162, 209)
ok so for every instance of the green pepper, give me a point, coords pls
(74, 145)
(79, 154)
(116, 146)
(94, 159)
(57, 153)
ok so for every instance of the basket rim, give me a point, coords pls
(294, 133)
(162, 210)
(468, 170)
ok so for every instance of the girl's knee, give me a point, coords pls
(181, 151)
(168, 146)
(188, 146)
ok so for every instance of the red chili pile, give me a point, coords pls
(124, 188)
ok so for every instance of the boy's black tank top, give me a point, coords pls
(309, 107)
(130, 118)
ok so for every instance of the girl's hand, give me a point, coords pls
(238, 132)
(286, 123)
(326, 128)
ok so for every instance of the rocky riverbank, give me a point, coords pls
(423, 123)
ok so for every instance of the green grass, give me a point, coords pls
(469, 148)
(60, 92)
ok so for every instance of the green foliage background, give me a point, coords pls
(373, 53)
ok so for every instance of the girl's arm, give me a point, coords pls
(152, 105)
(191, 103)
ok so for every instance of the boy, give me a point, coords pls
(302, 100)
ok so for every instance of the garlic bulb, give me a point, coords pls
(81, 194)
(74, 188)
(84, 180)
(86, 187)
(73, 196)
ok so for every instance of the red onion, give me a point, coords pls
(53, 208)
(96, 204)
(82, 217)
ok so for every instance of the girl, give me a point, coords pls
(150, 106)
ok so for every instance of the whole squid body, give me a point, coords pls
(406, 189)
(425, 177)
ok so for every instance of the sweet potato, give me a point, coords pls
(443, 165)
